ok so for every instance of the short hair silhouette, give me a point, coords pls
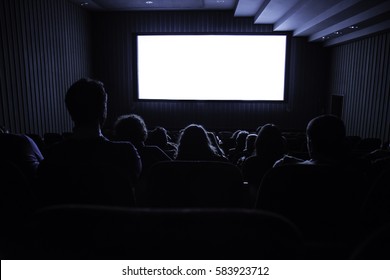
(131, 128)
(88, 168)
(86, 102)
(158, 136)
(326, 137)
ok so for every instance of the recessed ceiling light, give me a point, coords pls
(149, 2)
(84, 4)
(354, 27)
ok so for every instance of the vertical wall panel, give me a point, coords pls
(361, 73)
(112, 57)
(44, 48)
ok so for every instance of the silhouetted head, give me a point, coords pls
(258, 129)
(250, 142)
(158, 136)
(3, 129)
(241, 139)
(86, 101)
(131, 128)
(235, 133)
(270, 143)
(326, 137)
(194, 142)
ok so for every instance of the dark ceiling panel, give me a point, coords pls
(330, 14)
(248, 8)
(318, 20)
(366, 29)
(274, 11)
(354, 21)
(150, 4)
(304, 12)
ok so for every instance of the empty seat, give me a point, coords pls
(92, 232)
(194, 184)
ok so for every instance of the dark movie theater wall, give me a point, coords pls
(44, 48)
(361, 74)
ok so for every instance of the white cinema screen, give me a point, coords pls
(211, 67)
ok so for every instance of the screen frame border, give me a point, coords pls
(134, 66)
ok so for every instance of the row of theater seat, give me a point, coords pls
(296, 142)
(98, 232)
(327, 209)
(116, 233)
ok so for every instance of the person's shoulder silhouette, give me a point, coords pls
(86, 102)
(132, 128)
(22, 151)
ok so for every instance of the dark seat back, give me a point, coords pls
(323, 201)
(17, 204)
(91, 232)
(376, 206)
(194, 184)
(376, 245)
(84, 183)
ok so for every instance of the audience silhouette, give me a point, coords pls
(216, 143)
(229, 142)
(159, 137)
(322, 195)
(326, 144)
(132, 128)
(88, 168)
(270, 146)
(81, 168)
(194, 144)
(237, 151)
(21, 151)
(249, 149)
